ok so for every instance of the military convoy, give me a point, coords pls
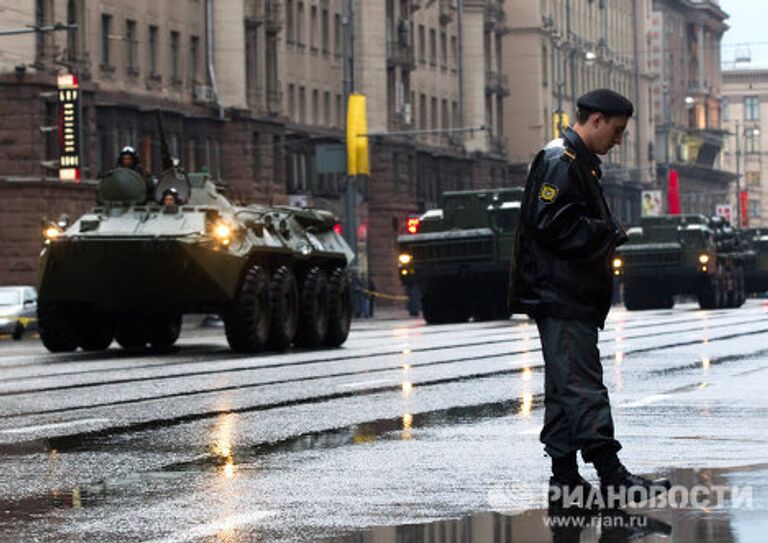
(459, 255)
(129, 268)
(683, 254)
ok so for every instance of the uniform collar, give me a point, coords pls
(575, 141)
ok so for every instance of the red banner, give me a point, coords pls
(744, 204)
(673, 194)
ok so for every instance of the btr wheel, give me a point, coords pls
(339, 308)
(95, 331)
(313, 312)
(131, 331)
(247, 322)
(165, 330)
(57, 327)
(285, 308)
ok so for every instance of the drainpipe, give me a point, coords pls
(461, 63)
(209, 55)
(640, 113)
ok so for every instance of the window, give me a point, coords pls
(422, 45)
(130, 46)
(724, 116)
(752, 140)
(339, 112)
(446, 122)
(194, 57)
(290, 30)
(302, 105)
(292, 102)
(454, 53)
(455, 114)
(73, 49)
(443, 50)
(324, 32)
(152, 50)
(327, 108)
(433, 47)
(313, 28)
(544, 66)
(423, 112)
(337, 35)
(315, 107)
(751, 108)
(175, 74)
(300, 24)
(754, 209)
(106, 29)
(433, 113)
(753, 179)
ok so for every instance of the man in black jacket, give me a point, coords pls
(561, 277)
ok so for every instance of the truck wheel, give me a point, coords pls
(247, 322)
(741, 289)
(634, 296)
(710, 292)
(18, 332)
(57, 327)
(95, 331)
(131, 332)
(433, 309)
(313, 312)
(165, 330)
(339, 308)
(285, 308)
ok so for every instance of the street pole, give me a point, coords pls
(738, 176)
(349, 230)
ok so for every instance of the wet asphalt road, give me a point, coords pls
(407, 433)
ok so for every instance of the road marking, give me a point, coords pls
(359, 383)
(214, 528)
(530, 431)
(653, 398)
(53, 426)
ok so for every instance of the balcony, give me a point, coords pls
(400, 54)
(267, 13)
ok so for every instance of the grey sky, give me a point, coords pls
(747, 32)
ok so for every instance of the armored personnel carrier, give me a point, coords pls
(459, 255)
(129, 268)
(756, 260)
(682, 254)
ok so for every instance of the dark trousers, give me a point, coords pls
(577, 412)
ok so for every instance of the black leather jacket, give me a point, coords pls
(565, 237)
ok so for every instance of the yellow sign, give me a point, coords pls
(358, 162)
(560, 121)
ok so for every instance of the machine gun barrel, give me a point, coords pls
(165, 152)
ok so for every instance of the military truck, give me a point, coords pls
(130, 267)
(756, 260)
(681, 254)
(459, 255)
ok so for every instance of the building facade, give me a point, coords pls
(249, 90)
(685, 48)
(745, 112)
(557, 50)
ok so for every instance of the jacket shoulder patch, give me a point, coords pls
(548, 193)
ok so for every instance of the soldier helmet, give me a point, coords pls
(128, 150)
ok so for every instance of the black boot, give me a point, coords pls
(619, 487)
(567, 489)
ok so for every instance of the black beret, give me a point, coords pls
(606, 101)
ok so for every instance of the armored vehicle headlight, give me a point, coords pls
(617, 263)
(52, 232)
(703, 259)
(405, 259)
